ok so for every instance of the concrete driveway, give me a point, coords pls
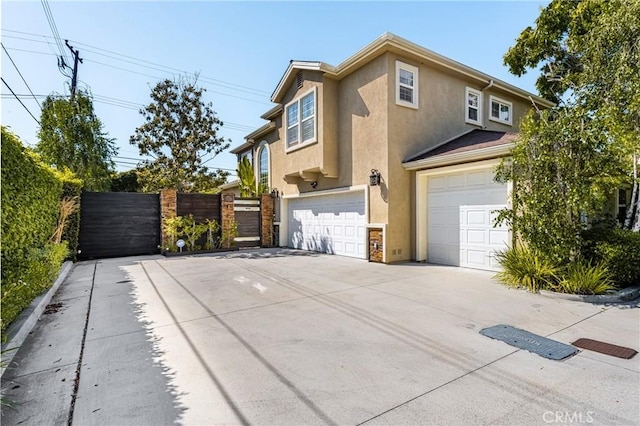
(277, 337)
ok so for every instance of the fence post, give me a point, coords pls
(266, 220)
(228, 219)
(168, 209)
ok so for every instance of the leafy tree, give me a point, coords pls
(562, 171)
(589, 52)
(248, 185)
(571, 157)
(179, 130)
(71, 136)
(126, 181)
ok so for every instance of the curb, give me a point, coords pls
(28, 318)
(621, 296)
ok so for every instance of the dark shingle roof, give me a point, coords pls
(475, 139)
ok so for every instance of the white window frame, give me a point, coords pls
(264, 146)
(498, 100)
(300, 143)
(414, 70)
(467, 119)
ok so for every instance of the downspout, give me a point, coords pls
(490, 85)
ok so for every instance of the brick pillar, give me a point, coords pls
(266, 219)
(228, 219)
(375, 245)
(168, 209)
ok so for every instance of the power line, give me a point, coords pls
(20, 74)
(145, 75)
(121, 103)
(56, 36)
(247, 89)
(21, 103)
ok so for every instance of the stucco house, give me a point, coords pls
(390, 155)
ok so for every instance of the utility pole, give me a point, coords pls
(76, 58)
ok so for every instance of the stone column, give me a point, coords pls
(376, 247)
(266, 220)
(168, 209)
(228, 219)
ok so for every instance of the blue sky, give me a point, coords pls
(240, 49)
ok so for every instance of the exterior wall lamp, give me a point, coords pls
(274, 193)
(374, 178)
(314, 184)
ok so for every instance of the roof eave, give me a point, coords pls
(242, 147)
(460, 157)
(278, 93)
(272, 113)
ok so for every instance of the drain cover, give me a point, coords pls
(605, 348)
(522, 339)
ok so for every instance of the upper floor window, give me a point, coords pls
(501, 110)
(263, 166)
(301, 120)
(406, 85)
(473, 106)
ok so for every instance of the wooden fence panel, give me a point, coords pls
(118, 224)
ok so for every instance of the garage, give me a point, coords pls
(461, 208)
(331, 223)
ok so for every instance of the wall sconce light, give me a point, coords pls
(314, 184)
(275, 193)
(374, 178)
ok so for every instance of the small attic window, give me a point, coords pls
(299, 80)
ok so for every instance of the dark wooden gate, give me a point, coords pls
(247, 216)
(118, 224)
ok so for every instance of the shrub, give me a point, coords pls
(71, 188)
(525, 268)
(192, 231)
(25, 281)
(213, 229)
(584, 278)
(30, 196)
(617, 249)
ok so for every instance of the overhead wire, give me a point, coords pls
(21, 76)
(56, 36)
(142, 74)
(19, 100)
(140, 62)
(121, 103)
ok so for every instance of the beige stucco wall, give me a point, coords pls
(362, 132)
(439, 117)
(360, 127)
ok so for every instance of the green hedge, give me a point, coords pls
(30, 198)
(618, 249)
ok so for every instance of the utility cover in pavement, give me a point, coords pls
(522, 339)
(605, 348)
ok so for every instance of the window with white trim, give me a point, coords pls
(406, 85)
(473, 106)
(301, 120)
(501, 110)
(263, 166)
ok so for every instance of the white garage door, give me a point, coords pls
(328, 224)
(461, 209)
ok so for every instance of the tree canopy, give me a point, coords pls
(71, 136)
(179, 131)
(569, 158)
